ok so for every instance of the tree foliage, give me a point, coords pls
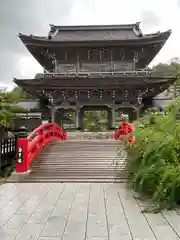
(8, 109)
(172, 68)
(16, 94)
(8, 113)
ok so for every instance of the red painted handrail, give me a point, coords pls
(124, 129)
(29, 148)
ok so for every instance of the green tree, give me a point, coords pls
(8, 113)
(8, 109)
(15, 95)
(172, 68)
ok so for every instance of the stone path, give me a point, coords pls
(84, 211)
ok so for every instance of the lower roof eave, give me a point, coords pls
(65, 82)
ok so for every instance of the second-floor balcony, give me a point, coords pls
(88, 66)
(94, 69)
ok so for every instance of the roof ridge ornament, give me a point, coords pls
(53, 31)
(137, 30)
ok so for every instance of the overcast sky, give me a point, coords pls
(34, 17)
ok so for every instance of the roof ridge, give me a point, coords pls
(93, 27)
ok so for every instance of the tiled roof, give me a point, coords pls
(95, 32)
(98, 35)
(28, 104)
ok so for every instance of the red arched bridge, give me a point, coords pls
(49, 154)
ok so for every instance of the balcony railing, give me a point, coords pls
(93, 74)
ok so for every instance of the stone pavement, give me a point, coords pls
(84, 211)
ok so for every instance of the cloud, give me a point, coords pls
(29, 17)
(27, 66)
(149, 20)
(34, 17)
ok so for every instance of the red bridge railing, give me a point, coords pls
(29, 148)
(124, 129)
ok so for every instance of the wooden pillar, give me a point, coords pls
(77, 62)
(56, 66)
(53, 112)
(79, 118)
(111, 118)
(132, 112)
(111, 59)
(134, 63)
(138, 113)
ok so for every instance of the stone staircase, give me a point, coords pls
(78, 135)
(79, 159)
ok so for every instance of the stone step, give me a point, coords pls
(90, 135)
(72, 180)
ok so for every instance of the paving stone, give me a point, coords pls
(28, 208)
(173, 219)
(50, 238)
(4, 236)
(76, 225)
(162, 223)
(80, 211)
(40, 215)
(72, 236)
(78, 215)
(7, 197)
(58, 218)
(97, 238)
(63, 205)
(30, 232)
(97, 225)
(138, 224)
(78, 229)
(161, 227)
(6, 214)
(53, 195)
(54, 227)
(17, 221)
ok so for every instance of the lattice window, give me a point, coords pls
(94, 54)
(84, 54)
(128, 54)
(105, 54)
(72, 55)
(66, 56)
(117, 54)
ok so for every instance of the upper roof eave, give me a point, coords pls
(31, 37)
(152, 35)
(160, 36)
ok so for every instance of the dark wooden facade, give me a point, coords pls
(95, 66)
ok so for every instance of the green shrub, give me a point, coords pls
(8, 113)
(154, 157)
